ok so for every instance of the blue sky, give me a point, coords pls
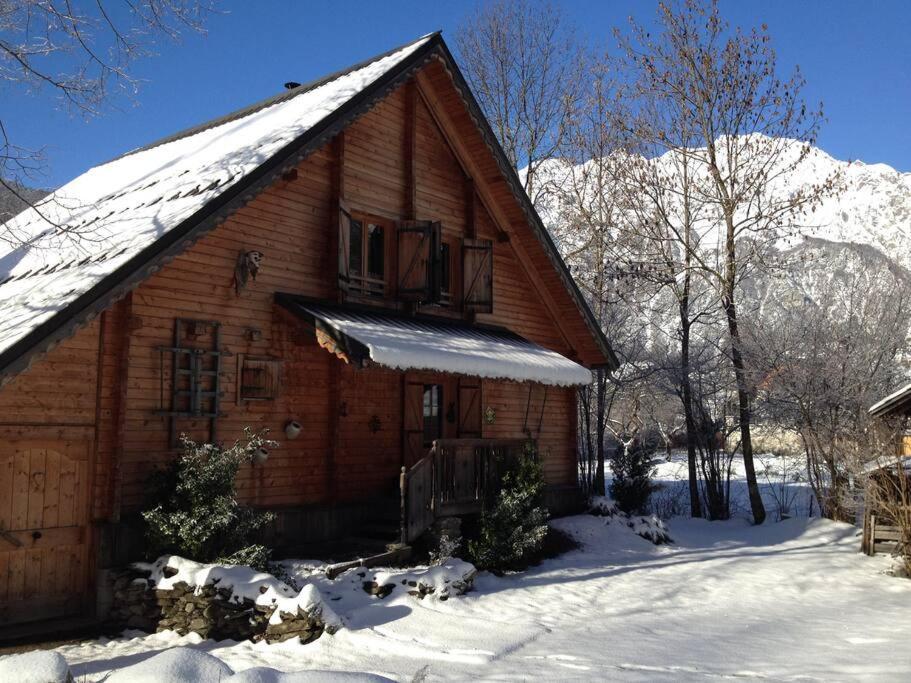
(855, 55)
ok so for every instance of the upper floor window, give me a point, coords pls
(411, 260)
(366, 257)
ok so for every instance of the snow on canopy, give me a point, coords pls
(408, 344)
(94, 224)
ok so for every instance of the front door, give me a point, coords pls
(44, 532)
(438, 407)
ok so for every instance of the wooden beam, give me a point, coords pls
(466, 161)
(338, 194)
(471, 219)
(120, 407)
(411, 104)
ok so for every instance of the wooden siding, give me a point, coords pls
(544, 413)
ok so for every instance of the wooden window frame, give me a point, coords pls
(364, 285)
(441, 410)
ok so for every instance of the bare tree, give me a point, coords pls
(82, 54)
(523, 63)
(829, 343)
(749, 130)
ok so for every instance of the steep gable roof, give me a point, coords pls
(101, 234)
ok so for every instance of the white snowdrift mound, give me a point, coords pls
(35, 667)
(181, 664)
(178, 664)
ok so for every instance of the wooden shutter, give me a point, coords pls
(259, 379)
(477, 275)
(419, 261)
(344, 246)
(470, 408)
(413, 422)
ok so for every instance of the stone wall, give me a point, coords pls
(210, 611)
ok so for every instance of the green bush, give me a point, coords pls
(632, 485)
(512, 529)
(193, 506)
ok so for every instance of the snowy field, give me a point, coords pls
(778, 602)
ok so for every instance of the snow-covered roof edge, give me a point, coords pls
(124, 279)
(403, 342)
(890, 402)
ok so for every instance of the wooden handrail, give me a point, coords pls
(456, 477)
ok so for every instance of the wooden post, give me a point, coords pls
(403, 491)
(872, 550)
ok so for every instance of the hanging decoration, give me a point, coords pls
(247, 267)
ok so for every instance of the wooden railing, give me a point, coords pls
(455, 478)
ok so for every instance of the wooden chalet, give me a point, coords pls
(352, 264)
(891, 472)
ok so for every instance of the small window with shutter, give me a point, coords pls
(258, 379)
(477, 275)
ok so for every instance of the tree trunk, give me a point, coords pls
(601, 402)
(695, 506)
(745, 408)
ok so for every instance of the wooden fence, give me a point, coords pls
(880, 536)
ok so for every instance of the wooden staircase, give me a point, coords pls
(455, 478)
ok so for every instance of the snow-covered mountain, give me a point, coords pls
(857, 237)
(873, 208)
(871, 205)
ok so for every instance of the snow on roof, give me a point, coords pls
(881, 406)
(94, 224)
(886, 463)
(419, 344)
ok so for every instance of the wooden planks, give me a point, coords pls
(44, 547)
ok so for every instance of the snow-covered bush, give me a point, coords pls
(648, 527)
(193, 508)
(632, 468)
(514, 527)
(446, 550)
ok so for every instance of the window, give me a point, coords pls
(445, 274)
(433, 413)
(366, 257)
(258, 379)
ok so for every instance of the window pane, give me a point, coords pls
(375, 251)
(355, 253)
(445, 266)
(432, 423)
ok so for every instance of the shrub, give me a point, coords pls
(515, 526)
(632, 468)
(193, 507)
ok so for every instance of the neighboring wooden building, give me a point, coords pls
(890, 477)
(354, 255)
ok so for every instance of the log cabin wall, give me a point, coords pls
(396, 163)
(545, 413)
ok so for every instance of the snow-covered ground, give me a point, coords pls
(782, 482)
(782, 601)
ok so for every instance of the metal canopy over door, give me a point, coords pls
(44, 531)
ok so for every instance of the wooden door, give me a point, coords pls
(44, 530)
(415, 434)
(413, 421)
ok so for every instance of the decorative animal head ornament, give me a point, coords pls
(248, 265)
